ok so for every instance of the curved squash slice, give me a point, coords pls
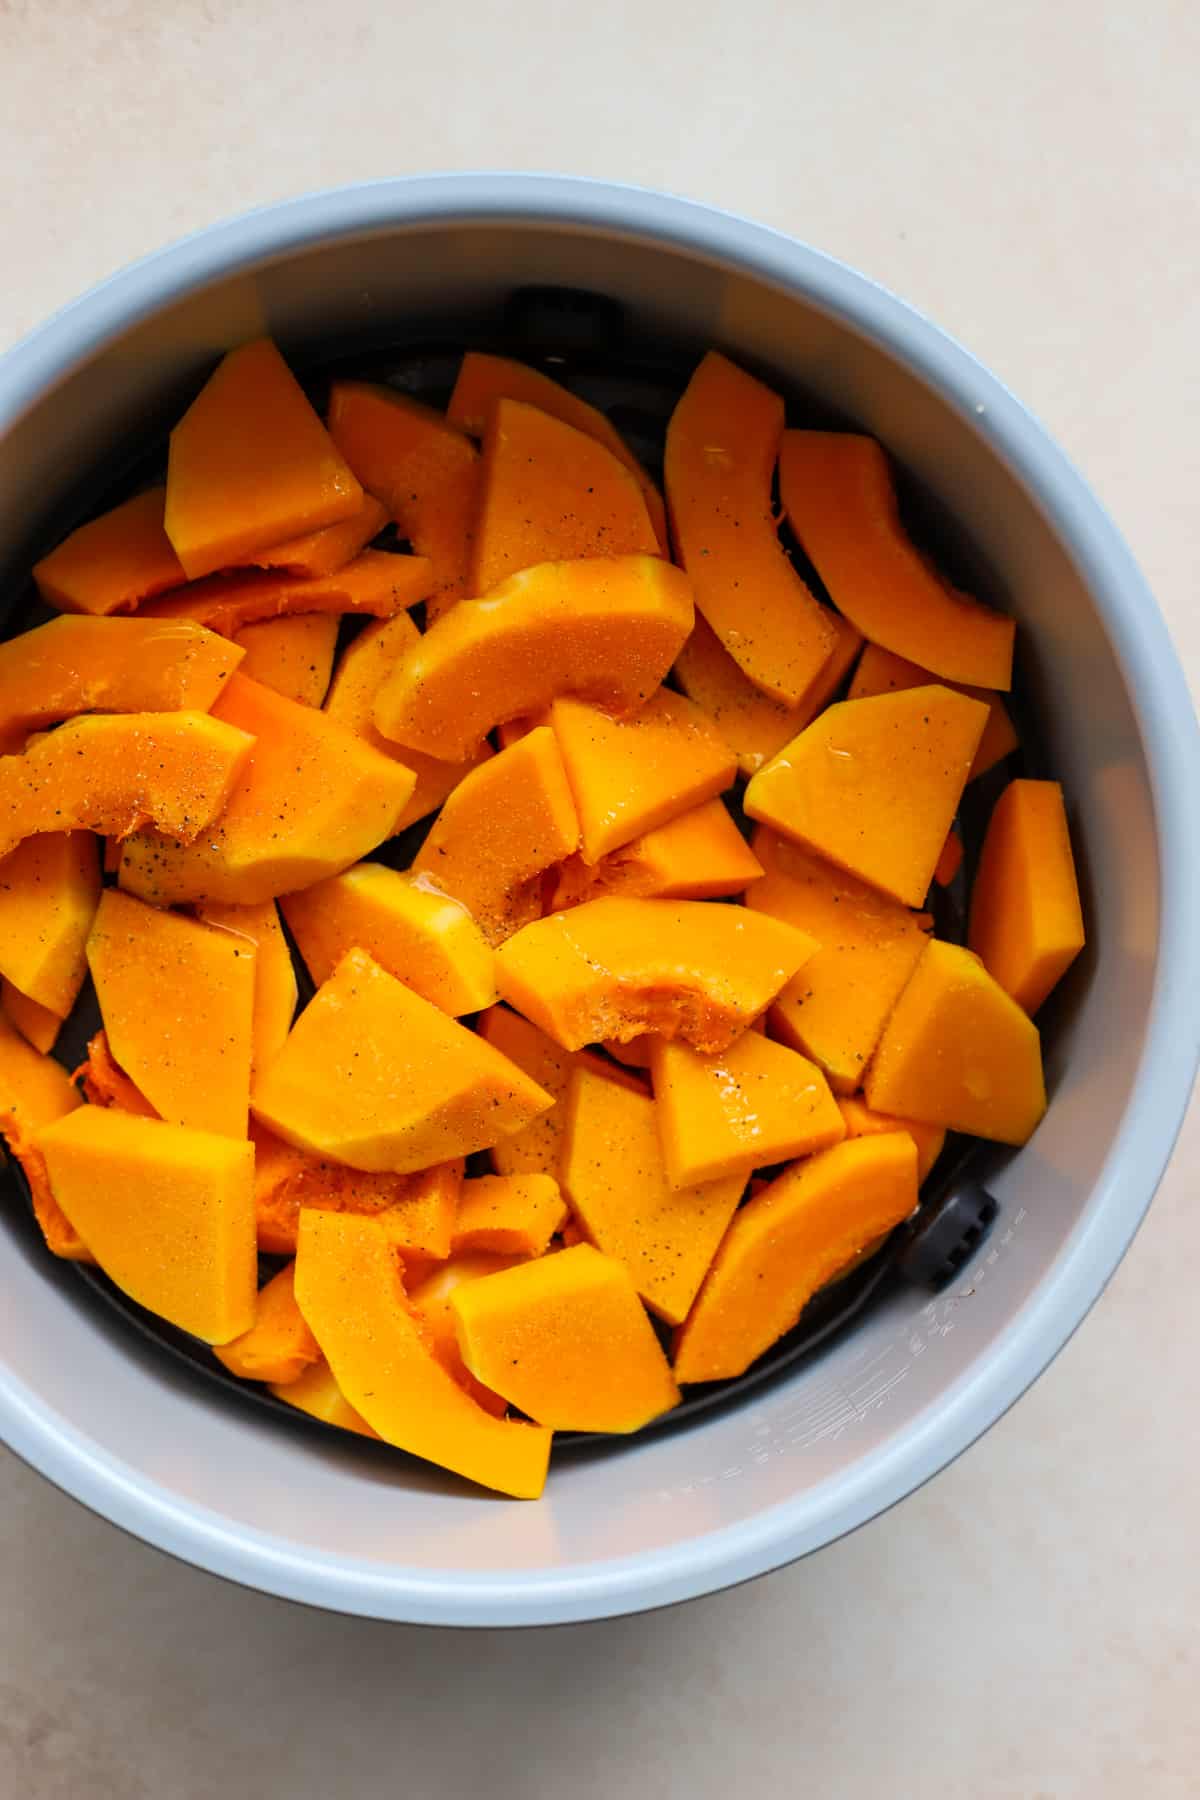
(329, 549)
(376, 583)
(279, 1345)
(113, 562)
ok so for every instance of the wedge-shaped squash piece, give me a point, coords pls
(385, 1367)
(721, 447)
(420, 466)
(316, 1393)
(113, 562)
(429, 942)
(860, 1121)
(549, 493)
(351, 701)
(701, 855)
(505, 823)
(417, 1211)
(106, 1084)
(837, 492)
(615, 1178)
(883, 672)
(73, 665)
(374, 1076)
(376, 583)
(116, 773)
(1026, 919)
(754, 1104)
(275, 992)
(483, 379)
(630, 775)
(34, 1092)
(325, 551)
(430, 1297)
(279, 1345)
(565, 1339)
(753, 724)
(36, 1023)
(251, 465)
(49, 892)
(168, 1213)
(836, 1007)
(605, 630)
(614, 968)
(512, 1215)
(312, 799)
(177, 1000)
(538, 1149)
(959, 1052)
(294, 656)
(873, 785)
(803, 1229)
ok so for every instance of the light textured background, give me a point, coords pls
(1028, 175)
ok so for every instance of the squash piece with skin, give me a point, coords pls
(383, 1364)
(376, 584)
(311, 800)
(416, 1211)
(325, 551)
(508, 1215)
(316, 1393)
(36, 1023)
(630, 775)
(615, 968)
(701, 855)
(167, 1211)
(177, 1000)
(292, 655)
(873, 785)
(615, 1177)
(1026, 920)
(504, 825)
(49, 892)
(35, 1091)
(538, 1149)
(425, 939)
(860, 1121)
(279, 1345)
(275, 991)
(251, 465)
(112, 563)
(113, 773)
(605, 630)
(565, 1339)
(107, 1084)
(837, 492)
(883, 672)
(801, 1231)
(721, 447)
(430, 1297)
(375, 1076)
(959, 1052)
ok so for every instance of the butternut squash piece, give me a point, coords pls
(430, 1298)
(565, 1339)
(615, 1178)
(311, 800)
(423, 470)
(325, 551)
(701, 855)
(49, 892)
(605, 630)
(949, 861)
(869, 945)
(167, 1211)
(429, 942)
(630, 775)
(753, 724)
(117, 772)
(376, 583)
(505, 824)
(614, 968)
(105, 1084)
(721, 448)
(873, 785)
(375, 1076)
(416, 1211)
(800, 1232)
(837, 492)
(482, 380)
(36, 1023)
(316, 1393)
(511, 1215)
(549, 493)
(75, 664)
(754, 1104)
(959, 1052)
(883, 672)
(177, 1000)
(113, 562)
(860, 1121)
(279, 1345)
(538, 1149)
(351, 702)
(34, 1092)
(275, 992)
(349, 1288)
(251, 465)
(1026, 919)
(294, 656)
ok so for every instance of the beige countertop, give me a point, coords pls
(1025, 1625)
